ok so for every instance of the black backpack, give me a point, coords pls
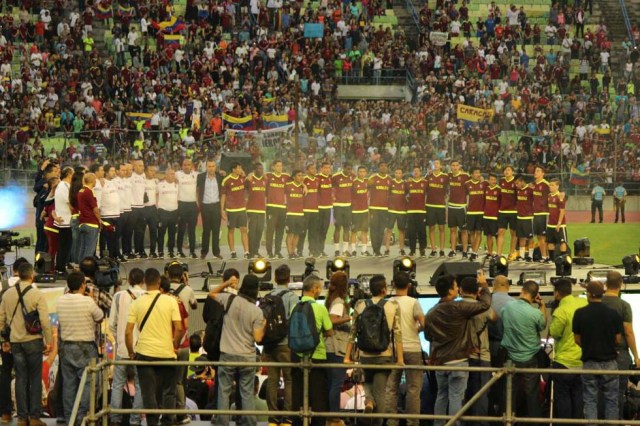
(213, 314)
(373, 334)
(304, 336)
(277, 325)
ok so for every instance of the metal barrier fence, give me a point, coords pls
(508, 418)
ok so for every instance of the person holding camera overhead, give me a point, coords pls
(25, 333)
(77, 314)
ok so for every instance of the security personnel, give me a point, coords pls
(437, 184)
(325, 204)
(138, 223)
(256, 188)
(457, 208)
(150, 211)
(342, 184)
(597, 198)
(379, 185)
(276, 209)
(187, 207)
(360, 212)
(397, 211)
(507, 214)
(311, 214)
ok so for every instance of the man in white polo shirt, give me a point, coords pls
(187, 207)
(167, 212)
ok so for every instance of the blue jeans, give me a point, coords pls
(451, 388)
(336, 381)
(608, 384)
(117, 386)
(75, 357)
(75, 240)
(245, 382)
(27, 363)
(87, 241)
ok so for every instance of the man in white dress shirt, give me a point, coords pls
(167, 212)
(138, 223)
(187, 207)
(150, 214)
(110, 212)
(126, 224)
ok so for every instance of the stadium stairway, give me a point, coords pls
(406, 22)
(609, 12)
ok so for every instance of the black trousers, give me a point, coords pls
(211, 218)
(255, 230)
(6, 404)
(324, 222)
(64, 251)
(110, 240)
(126, 232)
(417, 231)
(526, 390)
(619, 209)
(567, 394)
(167, 222)
(596, 205)
(275, 225)
(42, 244)
(312, 232)
(138, 226)
(187, 218)
(158, 387)
(377, 225)
(318, 391)
(150, 217)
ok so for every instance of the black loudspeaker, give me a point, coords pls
(457, 269)
(241, 157)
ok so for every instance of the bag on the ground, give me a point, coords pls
(304, 336)
(275, 315)
(372, 331)
(213, 314)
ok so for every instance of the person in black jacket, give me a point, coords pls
(448, 329)
(46, 171)
(208, 191)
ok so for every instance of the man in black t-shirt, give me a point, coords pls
(598, 330)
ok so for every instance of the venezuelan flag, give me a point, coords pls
(125, 10)
(579, 177)
(273, 121)
(173, 25)
(238, 123)
(175, 39)
(141, 118)
(104, 11)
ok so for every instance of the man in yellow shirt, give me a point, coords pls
(567, 387)
(157, 318)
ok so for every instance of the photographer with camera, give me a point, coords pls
(25, 331)
(77, 314)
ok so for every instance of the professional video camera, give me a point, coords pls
(185, 266)
(108, 273)
(359, 289)
(7, 240)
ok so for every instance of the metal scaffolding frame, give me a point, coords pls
(97, 372)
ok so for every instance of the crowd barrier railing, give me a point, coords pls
(97, 372)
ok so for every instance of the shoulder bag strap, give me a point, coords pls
(229, 301)
(21, 300)
(133, 296)
(177, 291)
(146, 316)
(18, 303)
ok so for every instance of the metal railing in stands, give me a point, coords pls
(627, 21)
(97, 372)
(414, 13)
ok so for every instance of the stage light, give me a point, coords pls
(405, 264)
(42, 263)
(563, 265)
(597, 275)
(631, 264)
(539, 277)
(260, 268)
(582, 252)
(337, 264)
(498, 266)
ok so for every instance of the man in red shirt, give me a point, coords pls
(360, 212)
(524, 225)
(295, 212)
(397, 210)
(276, 209)
(378, 206)
(416, 198)
(437, 183)
(541, 211)
(234, 208)
(325, 204)
(311, 214)
(456, 209)
(256, 187)
(507, 215)
(89, 217)
(491, 207)
(557, 225)
(342, 184)
(475, 189)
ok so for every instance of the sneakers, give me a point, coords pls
(193, 255)
(142, 255)
(412, 253)
(441, 253)
(172, 255)
(336, 253)
(452, 254)
(131, 256)
(153, 256)
(183, 420)
(473, 257)
(528, 259)
(323, 254)
(279, 256)
(513, 256)
(347, 254)
(465, 255)
(402, 252)
(354, 253)
(246, 256)
(234, 255)
(387, 253)
(366, 253)
(181, 255)
(433, 253)
(423, 253)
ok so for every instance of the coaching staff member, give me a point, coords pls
(187, 206)
(209, 189)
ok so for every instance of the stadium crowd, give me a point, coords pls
(555, 90)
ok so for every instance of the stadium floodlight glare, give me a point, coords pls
(631, 264)
(498, 266)
(337, 264)
(405, 264)
(260, 268)
(564, 265)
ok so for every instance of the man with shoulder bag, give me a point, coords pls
(25, 331)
